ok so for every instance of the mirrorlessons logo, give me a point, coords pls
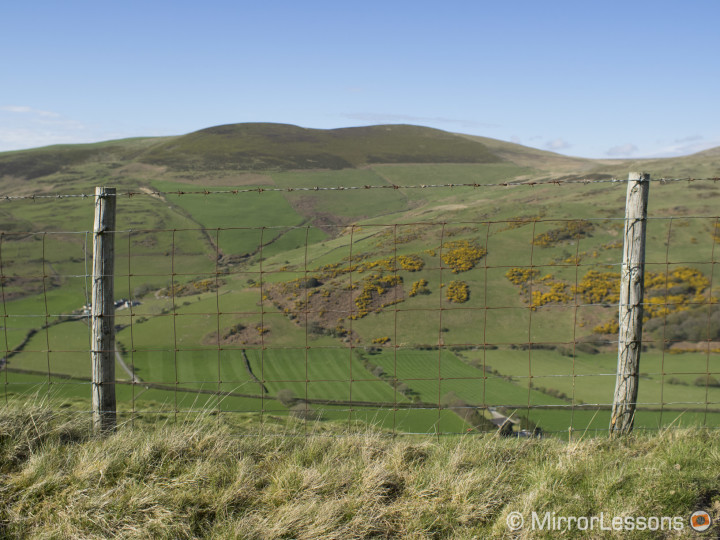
(700, 521)
(550, 521)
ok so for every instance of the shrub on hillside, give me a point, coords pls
(467, 412)
(461, 255)
(458, 292)
(520, 276)
(411, 263)
(707, 380)
(304, 411)
(694, 324)
(572, 230)
(286, 397)
(419, 287)
(309, 283)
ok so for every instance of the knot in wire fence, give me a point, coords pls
(484, 307)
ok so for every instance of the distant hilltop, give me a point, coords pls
(263, 147)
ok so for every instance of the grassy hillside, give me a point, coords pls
(41, 162)
(407, 307)
(541, 160)
(230, 477)
(278, 146)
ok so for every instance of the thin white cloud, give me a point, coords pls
(15, 109)
(685, 147)
(557, 144)
(26, 127)
(622, 150)
(22, 109)
(20, 138)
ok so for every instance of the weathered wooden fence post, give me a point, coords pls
(632, 285)
(103, 312)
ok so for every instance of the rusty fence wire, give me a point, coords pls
(439, 325)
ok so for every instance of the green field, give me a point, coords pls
(218, 278)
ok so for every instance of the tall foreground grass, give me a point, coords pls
(218, 477)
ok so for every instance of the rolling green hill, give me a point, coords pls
(404, 307)
(41, 162)
(283, 147)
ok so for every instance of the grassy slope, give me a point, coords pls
(540, 160)
(280, 146)
(191, 328)
(285, 224)
(412, 322)
(205, 478)
(41, 162)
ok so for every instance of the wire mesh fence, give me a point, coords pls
(494, 308)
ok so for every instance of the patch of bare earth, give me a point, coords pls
(238, 334)
(325, 221)
(15, 287)
(150, 192)
(331, 306)
(140, 169)
(19, 187)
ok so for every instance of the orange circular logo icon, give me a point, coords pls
(700, 521)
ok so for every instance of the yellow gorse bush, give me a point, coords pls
(375, 283)
(458, 292)
(520, 276)
(461, 255)
(604, 287)
(411, 263)
(610, 327)
(665, 293)
(194, 287)
(572, 230)
(558, 294)
(419, 287)
(599, 287)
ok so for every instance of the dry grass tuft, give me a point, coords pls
(213, 478)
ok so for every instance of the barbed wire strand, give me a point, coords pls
(506, 184)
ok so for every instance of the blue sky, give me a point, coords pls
(592, 79)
